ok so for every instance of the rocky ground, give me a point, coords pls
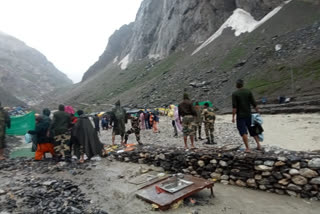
(105, 185)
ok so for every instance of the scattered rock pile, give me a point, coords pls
(282, 172)
(45, 195)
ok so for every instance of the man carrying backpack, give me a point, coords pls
(118, 119)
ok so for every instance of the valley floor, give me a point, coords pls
(299, 132)
(107, 182)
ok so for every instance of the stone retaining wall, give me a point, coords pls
(282, 172)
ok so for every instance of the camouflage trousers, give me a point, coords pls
(62, 145)
(209, 129)
(136, 131)
(2, 137)
(188, 125)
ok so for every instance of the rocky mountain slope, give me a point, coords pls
(25, 74)
(202, 47)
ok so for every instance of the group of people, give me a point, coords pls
(191, 117)
(65, 134)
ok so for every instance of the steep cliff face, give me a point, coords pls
(203, 47)
(162, 27)
(25, 73)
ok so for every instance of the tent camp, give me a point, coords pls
(21, 124)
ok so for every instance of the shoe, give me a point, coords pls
(207, 142)
(196, 139)
(200, 138)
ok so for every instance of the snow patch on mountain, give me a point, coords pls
(124, 62)
(241, 22)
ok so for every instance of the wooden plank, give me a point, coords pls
(165, 200)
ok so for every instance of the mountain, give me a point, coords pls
(25, 74)
(202, 47)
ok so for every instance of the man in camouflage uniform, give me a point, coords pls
(118, 119)
(135, 128)
(187, 112)
(4, 122)
(209, 119)
(198, 121)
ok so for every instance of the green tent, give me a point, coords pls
(203, 102)
(21, 124)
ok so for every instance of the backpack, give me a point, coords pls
(119, 114)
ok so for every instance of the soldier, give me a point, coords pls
(118, 119)
(187, 112)
(198, 121)
(4, 122)
(135, 128)
(209, 119)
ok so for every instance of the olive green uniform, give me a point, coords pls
(4, 122)
(209, 119)
(134, 129)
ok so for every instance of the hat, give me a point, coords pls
(185, 96)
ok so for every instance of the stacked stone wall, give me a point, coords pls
(282, 172)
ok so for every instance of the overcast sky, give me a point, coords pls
(70, 33)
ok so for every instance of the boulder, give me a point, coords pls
(294, 172)
(268, 163)
(223, 163)
(201, 163)
(263, 168)
(294, 187)
(215, 175)
(241, 183)
(284, 182)
(308, 173)
(299, 180)
(314, 163)
(315, 181)
(280, 163)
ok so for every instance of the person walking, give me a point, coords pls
(156, 120)
(96, 121)
(135, 128)
(61, 125)
(43, 140)
(187, 112)
(118, 119)
(172, 117)
(242, 100)
(198, 121)
(4, 122)
(142, 121)
(209, 119)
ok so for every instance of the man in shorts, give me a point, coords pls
(187, 112)
(242, 100)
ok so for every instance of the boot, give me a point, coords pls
(200, 138)
(208, 141)
(212, 140)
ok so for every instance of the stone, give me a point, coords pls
(223, 163)
(281, 158)
(308, 173)
(215, 175)
(294, 187)
(49, 183)
(126, 159)
(277, 175)
(224, 182)
(299, 180)
(241, 183)
(258, 162)
(262, 187)
(263, 168)
(162, 157)
(280, 163)
(224, 177)
(258, 177)
(284, 182)
(291, 193)
(315, 181)
(268, 163)
(296, 165)
(314, 163)
(266, 173)
(2, 192)
(219, 170)
(201, 163)
(286, 175)
(293, 172)
(213, 161)
(251, 182)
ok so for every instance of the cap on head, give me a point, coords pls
(240, 83)
(118, 103)
(206, 104)
(46, 112)
(185, 96)
(61, 107)
(80, 112)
